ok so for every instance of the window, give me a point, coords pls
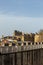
(24, 43)
(32, 43)
(39, 42)
(29, 43)
(13, 44)
(6, 44)
(42, 42)
(36, 43)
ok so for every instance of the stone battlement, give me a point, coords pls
(24, 54)
(19, 48)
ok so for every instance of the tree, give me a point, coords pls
(41, 31)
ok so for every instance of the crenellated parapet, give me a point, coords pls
(21, 46)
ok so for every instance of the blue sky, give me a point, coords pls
(23, 15)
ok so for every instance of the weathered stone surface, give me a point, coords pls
(21, 55)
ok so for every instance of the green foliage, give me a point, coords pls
(41, 32)
(18, 32)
